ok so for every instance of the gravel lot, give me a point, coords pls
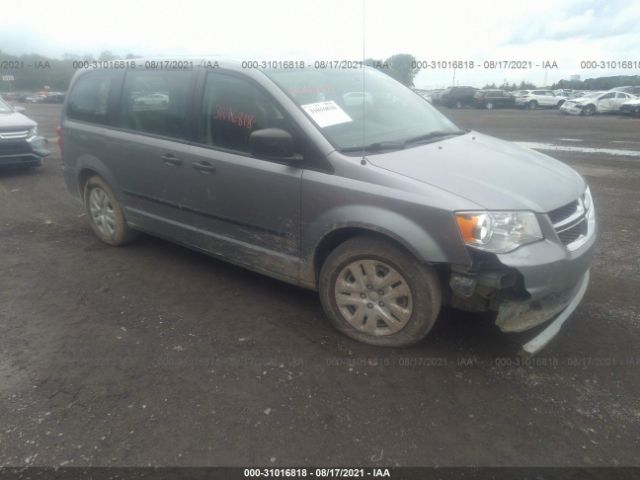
(156, 355)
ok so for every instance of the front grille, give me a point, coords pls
(17, 134)
(573, 233)
(571, 223)
(562, 213)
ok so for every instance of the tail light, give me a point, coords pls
(59, 134)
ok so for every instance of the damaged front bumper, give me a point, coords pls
(540, 341)
(521, 316)
(535, 284)
(23, 152)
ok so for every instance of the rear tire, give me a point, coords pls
(105, 214)
(377, 293)
(532, 105)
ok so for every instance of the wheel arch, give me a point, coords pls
(88, 166)
(422, 247)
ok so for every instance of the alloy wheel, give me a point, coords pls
(102, 213)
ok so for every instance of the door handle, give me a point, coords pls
(204, 167)
(171, 160)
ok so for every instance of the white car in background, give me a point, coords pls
(533, 99)
(631, 107)
(597, 102)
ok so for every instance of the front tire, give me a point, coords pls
(105, 214)
(533, 105)
(377, 293)
(589, 110)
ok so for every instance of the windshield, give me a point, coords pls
(4, 107)
(356, 109)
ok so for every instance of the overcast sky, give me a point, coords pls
(565, 31)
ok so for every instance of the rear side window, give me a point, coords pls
(232, 108)
(89, 99)
(156, 102)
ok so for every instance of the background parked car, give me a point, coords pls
(20, 144)
(435, 95)
(423, 93)
(458, 97)
(538, 98)
(35, 98)
(634, 90)
(599, 102)
(490, 99)
(53, 98)
(631, 107)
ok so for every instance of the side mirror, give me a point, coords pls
(19, 109)
(273, 144)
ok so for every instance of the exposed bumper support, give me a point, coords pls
(541, 340)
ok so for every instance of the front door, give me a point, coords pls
(248, 208)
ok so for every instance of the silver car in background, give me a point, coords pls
(341, 181)
(597, 102)
(20, 144)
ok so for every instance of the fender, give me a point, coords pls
(414, 237)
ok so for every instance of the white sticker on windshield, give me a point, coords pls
(326, 114)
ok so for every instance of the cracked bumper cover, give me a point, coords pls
(555, 278)
(521, 316)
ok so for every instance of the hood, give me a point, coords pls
(15, 121)
(496, 174)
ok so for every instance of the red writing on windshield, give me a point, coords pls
(241, 119)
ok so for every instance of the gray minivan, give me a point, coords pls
(343, 181)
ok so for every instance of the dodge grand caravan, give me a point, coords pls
(343, 181)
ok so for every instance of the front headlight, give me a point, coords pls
(498, 232)
(33, 131)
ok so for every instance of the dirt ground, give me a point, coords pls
(153, 354)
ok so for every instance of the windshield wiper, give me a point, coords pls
(432, 136)
(375, 147)
(395, 145)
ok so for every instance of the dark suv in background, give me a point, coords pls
(458, 97)
(490, 99)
